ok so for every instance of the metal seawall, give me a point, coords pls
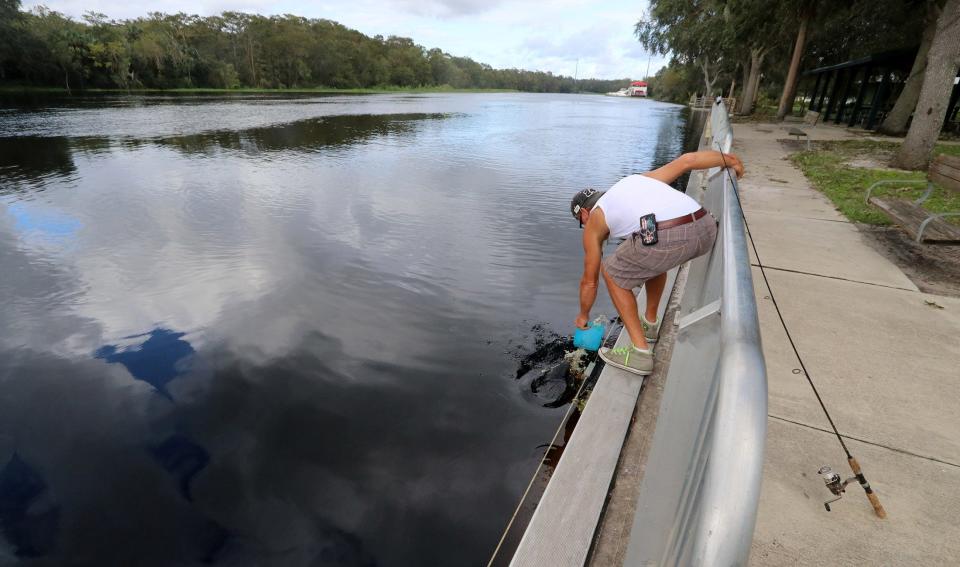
(699, 496)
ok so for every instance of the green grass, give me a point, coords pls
(845, 185)
(315, 90)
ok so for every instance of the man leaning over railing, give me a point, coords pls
(662, 228)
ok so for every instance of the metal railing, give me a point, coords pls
(699, 496)
(704, 101)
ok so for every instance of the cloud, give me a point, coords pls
(593, 41)
(446, 8)
(604, 49)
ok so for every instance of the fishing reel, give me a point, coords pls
(834, 483)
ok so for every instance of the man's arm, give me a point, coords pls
(695, 160)
(593, 236)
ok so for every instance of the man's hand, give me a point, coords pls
(582, 321)
(734, 162)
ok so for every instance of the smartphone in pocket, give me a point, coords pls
(648, 229)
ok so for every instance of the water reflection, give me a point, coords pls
(266, 463)
(36, 160)
(303, 135)
(33, 220)
(183, 459)
(672, 130)
(156, 360)
(289, 339)
(31, 159)
(28, 515)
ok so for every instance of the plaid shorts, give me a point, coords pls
(633, 263)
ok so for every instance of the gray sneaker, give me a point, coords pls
(650, 330)
(629, 359)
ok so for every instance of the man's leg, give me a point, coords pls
(626, 304)
(654, 287)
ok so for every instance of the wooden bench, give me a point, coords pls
(919, 223)
(799, 134)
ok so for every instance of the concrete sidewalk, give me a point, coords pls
(886, 363)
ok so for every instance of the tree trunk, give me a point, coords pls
(66, 79)
(746, 99)
(706, 78)
(744, 81)
(744, 76)
(756, 80)
(750, 90)
(942, 63)
(790, 86)
(253, 67)
(895, 124)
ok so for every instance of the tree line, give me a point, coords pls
(233, 50)
(754, 49)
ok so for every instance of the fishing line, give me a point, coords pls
(536, 472)
(878, 508)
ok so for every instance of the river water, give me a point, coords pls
(285, 330)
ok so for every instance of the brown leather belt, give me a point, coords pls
(670, 223)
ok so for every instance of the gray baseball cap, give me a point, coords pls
(585, 199)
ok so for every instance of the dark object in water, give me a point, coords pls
(547, 353)
(554, 379)
(544, 374)
(555, 385)
(551, 375)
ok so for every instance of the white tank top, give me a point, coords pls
(635, 196)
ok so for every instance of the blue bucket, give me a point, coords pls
(589, 339)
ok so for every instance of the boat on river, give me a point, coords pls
(636, 89)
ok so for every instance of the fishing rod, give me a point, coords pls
(830, 478)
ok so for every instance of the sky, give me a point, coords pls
(583, 38)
